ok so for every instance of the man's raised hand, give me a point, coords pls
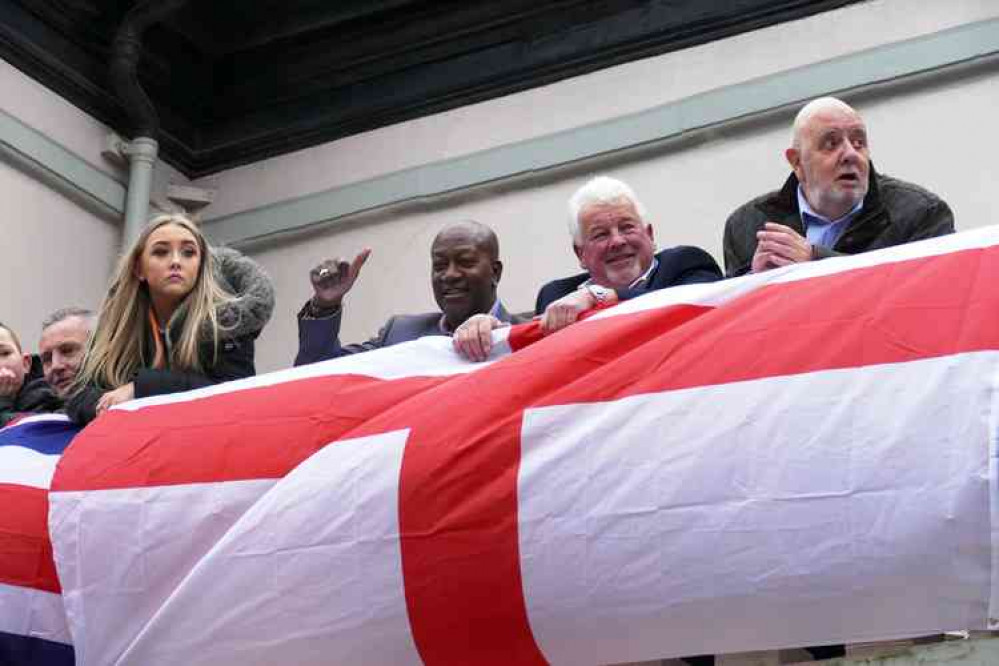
(333, 278)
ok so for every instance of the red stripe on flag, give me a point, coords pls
(25, 549)
(259, 433)
(459, 527)
(528, 333)
(888, 313)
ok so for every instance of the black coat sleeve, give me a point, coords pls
(739, 241)
(544, 298)
(937, 220)
(6, 409)
(556, 289)
(34, 397)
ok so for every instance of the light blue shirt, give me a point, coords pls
(442, 324)
(820, 230)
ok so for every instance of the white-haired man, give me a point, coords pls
(833, 203)
(613, 240)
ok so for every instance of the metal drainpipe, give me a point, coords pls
(141, 154)
(145, 122)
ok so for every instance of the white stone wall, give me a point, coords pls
(54, 254)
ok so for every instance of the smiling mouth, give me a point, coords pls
(624, 258)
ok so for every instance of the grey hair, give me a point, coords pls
(809, 110)
(600, 190)
(65, 313)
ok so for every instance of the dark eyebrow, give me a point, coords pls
(183, 243)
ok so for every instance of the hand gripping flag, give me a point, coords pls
(794, 458)
(33, 630)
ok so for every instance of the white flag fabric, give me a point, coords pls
(800, 457)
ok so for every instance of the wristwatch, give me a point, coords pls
(602, 295)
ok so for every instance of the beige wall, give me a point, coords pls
(928, 130)
(55, 254)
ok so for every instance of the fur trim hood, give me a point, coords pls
(252, 288)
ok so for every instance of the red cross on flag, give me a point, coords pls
(793, 458)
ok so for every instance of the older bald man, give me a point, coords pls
(833, 203)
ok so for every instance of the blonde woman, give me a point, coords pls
(178, 315)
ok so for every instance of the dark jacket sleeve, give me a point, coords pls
(319, 338)
(937, 220)
(7, 410)
(235, 361)
(81, 407)
(34, 397)
(544, 298)
(739, 241)
(555, 290)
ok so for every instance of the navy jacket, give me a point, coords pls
(677, 265)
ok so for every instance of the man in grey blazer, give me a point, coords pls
(465, 271)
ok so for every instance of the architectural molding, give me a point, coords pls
(272, 82)
(880, 65)
(35, 154)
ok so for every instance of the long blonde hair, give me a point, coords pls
(117, 347)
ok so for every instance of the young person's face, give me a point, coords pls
(14, 364)
(169, 263)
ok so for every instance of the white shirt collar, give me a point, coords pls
(639, 280)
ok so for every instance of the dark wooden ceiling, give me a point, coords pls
(236, 82)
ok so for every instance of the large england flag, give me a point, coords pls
(800, 457)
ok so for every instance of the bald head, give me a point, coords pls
(823, 106)
(472, 232)
(465, 270)
(830, 156)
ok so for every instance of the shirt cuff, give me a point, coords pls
(311, 311)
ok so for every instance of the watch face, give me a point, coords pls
(599, 293)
